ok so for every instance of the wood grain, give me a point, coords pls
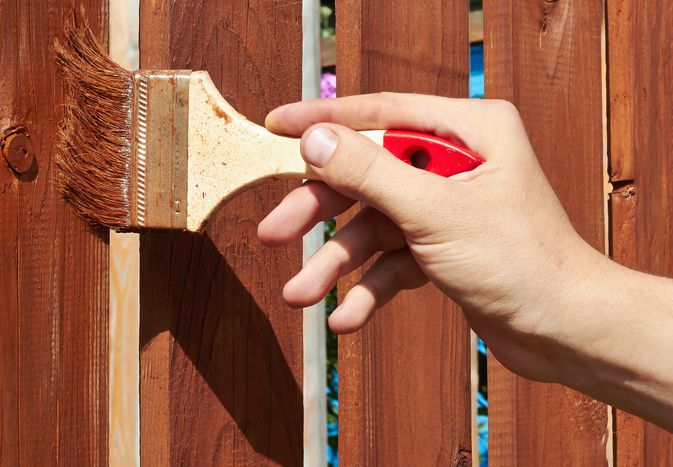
(53, 268)
(545, 57)
(641, 167)
(124, 357)
(404, 380)
(221, 354)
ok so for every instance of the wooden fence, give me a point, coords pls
(220, 354)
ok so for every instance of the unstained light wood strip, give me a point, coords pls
(315, 350)
(124, 281)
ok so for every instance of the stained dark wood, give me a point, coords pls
(53, 268)
(545, 57)
(404, 380)
(221, 354)
(641, 166)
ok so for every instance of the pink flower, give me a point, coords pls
(328, 85)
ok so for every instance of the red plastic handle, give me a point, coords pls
(430, 153)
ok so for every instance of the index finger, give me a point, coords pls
(468, 120)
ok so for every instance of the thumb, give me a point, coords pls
(355, 166)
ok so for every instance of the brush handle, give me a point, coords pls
(228, 153)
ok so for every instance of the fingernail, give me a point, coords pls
(319, 147)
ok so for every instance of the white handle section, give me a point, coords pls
(374, 135)
(227, 152)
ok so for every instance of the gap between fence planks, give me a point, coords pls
(315, 346)
(53, 272)
(545, 57)
(641, 167)
(404, 380)
(124, 444)
(221, 354)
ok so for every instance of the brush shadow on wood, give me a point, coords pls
(252, 51)
(229, 367)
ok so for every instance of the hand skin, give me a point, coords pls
(495, 240)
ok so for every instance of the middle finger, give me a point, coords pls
(367, 233)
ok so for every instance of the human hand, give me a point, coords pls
(496, 239)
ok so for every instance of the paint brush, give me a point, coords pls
(162, 149)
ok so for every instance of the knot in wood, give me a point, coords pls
(548, 7)
(17, 150)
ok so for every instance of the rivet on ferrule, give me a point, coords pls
(17, 149)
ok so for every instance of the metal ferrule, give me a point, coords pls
(160, 149)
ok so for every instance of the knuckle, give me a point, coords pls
(336, 256)
(380, 224)
(387, 96)
(342, 261)
(403, 272)
(382, 103)
(397, 273)
(503, 108)
(362, 165)
(371, 108)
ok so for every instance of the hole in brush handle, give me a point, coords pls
(430, 153)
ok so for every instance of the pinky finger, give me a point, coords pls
(393, 272)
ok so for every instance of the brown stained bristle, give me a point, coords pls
(93, 157)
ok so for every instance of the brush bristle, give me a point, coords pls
(93, 157)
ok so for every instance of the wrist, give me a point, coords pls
(552, 325)
(609, 335)
(570, 311)
(581, 315)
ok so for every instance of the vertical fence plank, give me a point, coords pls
(404, 380)
(545, 57)
(53, 268)
(641, 169)
(221, 354)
